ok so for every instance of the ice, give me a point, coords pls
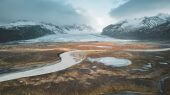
(74, 38)
(147, 66)
(144, 68)
(76, 31)
(164, 63)
(111, 61)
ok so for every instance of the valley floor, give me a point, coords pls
(149, 73)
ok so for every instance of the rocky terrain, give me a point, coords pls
(146, 28)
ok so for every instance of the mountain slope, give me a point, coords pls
(24, 30)
(146, 28)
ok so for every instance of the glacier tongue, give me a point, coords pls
(74, 38)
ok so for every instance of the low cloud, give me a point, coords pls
(140, 8)
(52, 11)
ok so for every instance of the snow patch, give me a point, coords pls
(148, 22)
(19, 23)
(149, 65)
(164, 63)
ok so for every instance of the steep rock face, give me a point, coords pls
(22, 32)
(146, 28)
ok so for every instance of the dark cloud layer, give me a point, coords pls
(136, 8)
(39, 10)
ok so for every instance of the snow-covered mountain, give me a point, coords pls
(24, 30)
(155, 27)
(25, 23)
(66, 29)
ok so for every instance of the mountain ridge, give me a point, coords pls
(146, 28)
(24, 30)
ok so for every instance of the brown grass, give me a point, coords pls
(83, 79)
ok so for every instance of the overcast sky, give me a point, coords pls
(93, 12)
(140, 8)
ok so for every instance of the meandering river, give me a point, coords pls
(68, 59)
